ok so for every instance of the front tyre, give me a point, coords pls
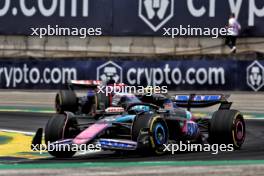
(159, 135)
(227, 127)
(151, 128)
(60, 127)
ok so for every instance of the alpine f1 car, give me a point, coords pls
(67, 100)
(131, 124)
(98, 97)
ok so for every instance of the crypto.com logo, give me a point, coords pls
(255, 76)
(155, 13)
(109, 71)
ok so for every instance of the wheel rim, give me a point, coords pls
(240, 131)
(160, 134)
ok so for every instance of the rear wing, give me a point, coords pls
(201, 101)
(93, 84)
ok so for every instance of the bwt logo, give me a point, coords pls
(255, 76)
(156, 13)
(110, 71)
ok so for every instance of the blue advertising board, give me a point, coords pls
(176, 74)
(19, 16)
(129, 17)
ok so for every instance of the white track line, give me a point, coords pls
(17, 131)
(254, 118)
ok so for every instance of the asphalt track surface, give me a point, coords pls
(253, 148)
(247, 161)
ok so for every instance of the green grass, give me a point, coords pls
(130, 164)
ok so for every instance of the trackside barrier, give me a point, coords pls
(146, 17)
(175, 73)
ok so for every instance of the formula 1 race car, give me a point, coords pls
(98, 97)
(67, 100)
(130, 124)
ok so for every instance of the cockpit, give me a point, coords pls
(123, 100)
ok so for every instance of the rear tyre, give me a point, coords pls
(66, 100)
(60, 127)
(227, 127)
(155, 128)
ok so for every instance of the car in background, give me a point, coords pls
(94, 101)
(67, 100)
